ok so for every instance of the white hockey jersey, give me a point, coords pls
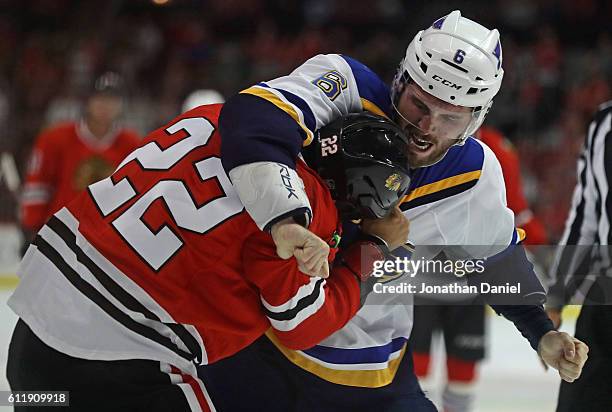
(457, 206)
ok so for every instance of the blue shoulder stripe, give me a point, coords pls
(371, 88)
(256, 130)
(300, 103)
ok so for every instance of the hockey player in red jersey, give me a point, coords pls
(158, 268)
(69, 156)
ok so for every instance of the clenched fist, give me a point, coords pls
(564, 353)
(310, 251)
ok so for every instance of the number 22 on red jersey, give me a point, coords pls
(157, 247)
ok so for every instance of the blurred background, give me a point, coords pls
(557, 59)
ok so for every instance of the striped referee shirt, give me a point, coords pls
(583, 254)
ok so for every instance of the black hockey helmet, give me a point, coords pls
(110, 83)
(362, 158)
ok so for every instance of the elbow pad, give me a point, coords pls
(271, 192)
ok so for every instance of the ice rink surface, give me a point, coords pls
(511, 379)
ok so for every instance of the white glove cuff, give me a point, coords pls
(271, 192)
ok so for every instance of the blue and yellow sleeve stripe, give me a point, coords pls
(289, 103)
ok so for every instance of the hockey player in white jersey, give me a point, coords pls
(441, 94)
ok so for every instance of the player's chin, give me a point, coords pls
(422, 158)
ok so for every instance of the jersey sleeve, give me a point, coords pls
(272, 120)
(490, 233)
(530, 320)
(302, 310)
(40, 182)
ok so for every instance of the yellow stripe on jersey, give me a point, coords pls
(285, 106)
(441, 185)
(372, 108)
(8, 282)
(358, 378)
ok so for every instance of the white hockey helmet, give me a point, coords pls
(456, 60)
(202, 97)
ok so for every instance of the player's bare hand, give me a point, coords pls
(393, 228)
(555, 316)
(564, 353)
(310, 251)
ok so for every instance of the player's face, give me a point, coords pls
(432, 125)
(104, 108)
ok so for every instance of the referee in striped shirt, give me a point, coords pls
(582, 270)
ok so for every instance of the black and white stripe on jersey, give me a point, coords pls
(601, 165)
(194, 350)
(603, 119)
(590, 218)
(307, 300)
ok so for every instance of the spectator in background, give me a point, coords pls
(463, 324)
(69, 156)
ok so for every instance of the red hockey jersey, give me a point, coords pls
(160, 261)
(65, 160)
